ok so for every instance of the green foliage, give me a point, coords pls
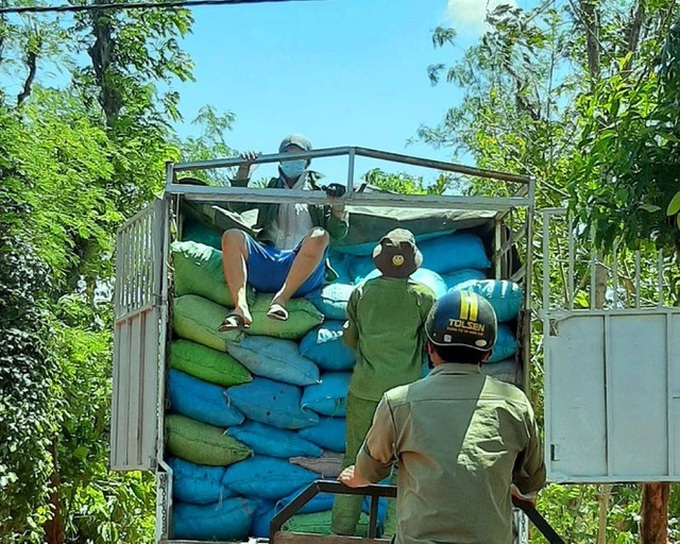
(27, 381)
(210, 144)
(74, 163)
(406, 184)
(595, 121)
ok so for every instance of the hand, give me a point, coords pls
(352, 478)
(335, 190)
(245, 169)
(516, 493)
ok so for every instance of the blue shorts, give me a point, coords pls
(268, 268)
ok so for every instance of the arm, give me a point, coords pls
(377, 454)
(242, 179)
(529, 472)
(350, 331)
(337, 221)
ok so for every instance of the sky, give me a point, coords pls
(341, 72)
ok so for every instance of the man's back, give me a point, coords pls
(460, 437)
(387, 317)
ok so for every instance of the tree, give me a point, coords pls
(77, 161)
(536, 79)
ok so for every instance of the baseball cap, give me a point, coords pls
(295, 139)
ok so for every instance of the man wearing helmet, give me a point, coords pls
(462, 439)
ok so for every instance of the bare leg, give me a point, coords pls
(308, 258)
(234, 259)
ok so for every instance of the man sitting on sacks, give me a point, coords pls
(289, 255)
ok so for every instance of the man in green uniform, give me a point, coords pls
(385, 319)
(463, 440)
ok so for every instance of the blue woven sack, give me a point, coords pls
(330, 396)
(266, 477)
(319, 503)
(340, 263)
(505, 346)
(459, 276)
(267, 440)
(262, 519)
(273, 403)
(360, 267)
(427, 277)
(329, 433)
(201, 400)
(196, 484)
(505, 296)
(274, 358)
(229, 519)
(325, 347)
(331, 300)
(454, 252)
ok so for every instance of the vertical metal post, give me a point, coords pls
(593, 269)
(615, 274)
(671, 399)
(660, 279)
(570, 264)
(637, 278)
(169, 174)
(498, 244)
(373, 518)
(350, 170)
(607, 331)
(546, 261)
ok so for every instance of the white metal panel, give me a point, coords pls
(575, 405)
(637, 391)
(612, 396)
(139, 338)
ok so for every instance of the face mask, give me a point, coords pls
(293, 169)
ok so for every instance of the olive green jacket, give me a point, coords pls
(460, 438)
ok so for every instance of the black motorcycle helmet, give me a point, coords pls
(462, 319)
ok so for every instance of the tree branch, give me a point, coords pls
(633, 31)
(591, 21)
(32, 63)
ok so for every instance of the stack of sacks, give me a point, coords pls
(253, 418)
(256, 417)
(449, 262)
(506, 298)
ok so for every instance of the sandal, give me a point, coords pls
(233, 322)
(278, 312)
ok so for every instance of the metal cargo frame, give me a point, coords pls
(612, 369)
(513, 215)
(144, 312)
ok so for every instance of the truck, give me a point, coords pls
(590, 354)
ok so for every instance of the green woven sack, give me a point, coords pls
(207, 364)
(319, 523)
(198, 271)
(302, 318)
(196, 318)
(201, 443)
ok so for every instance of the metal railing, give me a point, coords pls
(581, 271)
(522, 197)
(375, 492)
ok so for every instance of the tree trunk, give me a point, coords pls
(54, 529)
(604, 493)
(654, 514)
